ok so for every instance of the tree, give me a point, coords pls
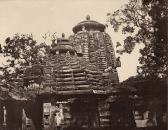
(21, 51)
(144, 22)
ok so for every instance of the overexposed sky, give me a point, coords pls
(41, 16)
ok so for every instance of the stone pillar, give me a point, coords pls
(13, 115)
(37, 114)
(104, 113)
(1, 114)
(93, 113)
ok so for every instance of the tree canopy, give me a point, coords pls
(144, 22)
(20, 51)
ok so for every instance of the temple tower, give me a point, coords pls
(92, 42)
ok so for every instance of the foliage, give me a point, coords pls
(21, 51)
(144, 22)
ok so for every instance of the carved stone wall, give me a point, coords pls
(96, 47)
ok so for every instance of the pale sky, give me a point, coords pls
(41, 16)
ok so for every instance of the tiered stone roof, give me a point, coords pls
(68, 72)
(65, 71)
(85, 61)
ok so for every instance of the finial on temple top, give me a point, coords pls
(88, 17)
(63, 35)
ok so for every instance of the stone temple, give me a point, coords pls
(76, 87)
(78, 76)
(77, 82)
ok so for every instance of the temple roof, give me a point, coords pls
(11, 92)
(67, 74)
(73, 73)
(88, 25)
(62, 45)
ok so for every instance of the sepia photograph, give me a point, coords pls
(83, 64)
